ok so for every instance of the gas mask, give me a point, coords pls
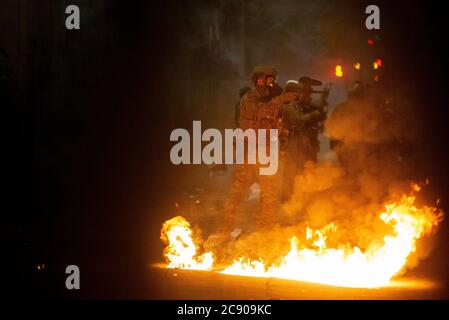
(273, 87)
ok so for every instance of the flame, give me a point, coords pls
(181, 251)
(339, 71)
(315, 262)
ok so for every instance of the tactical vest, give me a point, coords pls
(250, 112)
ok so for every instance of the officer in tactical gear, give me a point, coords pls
(304, 121)
(305, 118)
(259, 109)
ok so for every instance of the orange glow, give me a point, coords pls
(357, 66)
(339, 71)
(312, 260)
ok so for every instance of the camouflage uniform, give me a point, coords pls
(304, 123)
(258, 110)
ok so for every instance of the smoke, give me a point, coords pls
(372, 140)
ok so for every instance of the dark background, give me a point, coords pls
(87, 116)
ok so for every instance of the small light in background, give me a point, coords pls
(370, 42)
(339, 71)
(357, 66)
(377, 64)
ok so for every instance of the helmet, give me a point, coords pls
(293, 86)
(266, 71)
